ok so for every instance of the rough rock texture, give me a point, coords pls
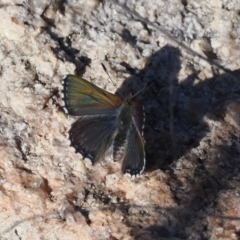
(190, 189)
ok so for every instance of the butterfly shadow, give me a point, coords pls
(178, 116)
(160, 76)
(175, 111)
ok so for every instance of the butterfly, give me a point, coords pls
(105, 120)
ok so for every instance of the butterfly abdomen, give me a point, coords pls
(124, 115)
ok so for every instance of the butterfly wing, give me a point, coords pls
(134, 159)
(92, 136)
(84, 98)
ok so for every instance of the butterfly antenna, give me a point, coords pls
(104, 68)
(140, 90)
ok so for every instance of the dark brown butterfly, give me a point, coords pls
(106, 120)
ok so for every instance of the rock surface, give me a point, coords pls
(190, 189)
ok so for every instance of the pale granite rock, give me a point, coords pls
(190, 189)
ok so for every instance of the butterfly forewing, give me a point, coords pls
(84, 98)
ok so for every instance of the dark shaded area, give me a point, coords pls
(46, 187)
(84, 212)
(184, 2)
(64, 50)
(158, 100)
(59, 5)
(175, 111)
(128, 37)
(174, 126)
(17, 234)
(18, 141)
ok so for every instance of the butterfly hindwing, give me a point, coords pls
(129, 144)
(84, 98)
(92, 136)
(134, 158)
